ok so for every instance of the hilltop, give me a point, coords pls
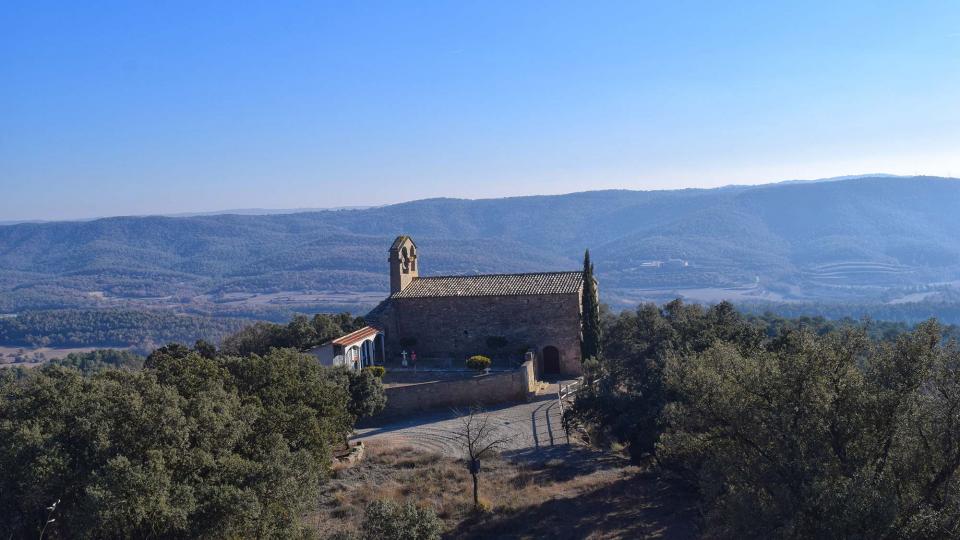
(862, 239)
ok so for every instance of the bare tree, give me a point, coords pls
(478, 437)
(50, 519)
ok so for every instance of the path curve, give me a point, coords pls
(529, 427)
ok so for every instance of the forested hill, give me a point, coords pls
(867, 239)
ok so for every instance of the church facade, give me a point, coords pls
(498, 315)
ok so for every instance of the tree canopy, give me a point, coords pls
(189, 446)
(786, 430)
(300, 333)
(591, 343)
(92, 361)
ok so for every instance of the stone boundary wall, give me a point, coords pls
(485, 390)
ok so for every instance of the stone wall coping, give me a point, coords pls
(451, 370)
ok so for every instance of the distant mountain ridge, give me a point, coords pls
(272, 211)
(862, 239)
(233, 211)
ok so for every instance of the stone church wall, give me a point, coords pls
(459, 327)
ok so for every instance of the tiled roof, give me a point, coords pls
(494, 285)
(356, 335)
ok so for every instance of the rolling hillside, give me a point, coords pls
(876, 239)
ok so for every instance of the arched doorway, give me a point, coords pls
(366, 353)
(551, 360)
(353, 357)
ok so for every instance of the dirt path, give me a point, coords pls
(540, 486)
(568, 492)
(530, 427)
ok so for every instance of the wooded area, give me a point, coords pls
(785, 429)
(194, 444)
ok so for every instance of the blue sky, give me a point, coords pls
(163, 106)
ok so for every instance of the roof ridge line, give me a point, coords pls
(505, 274)
(365, 329)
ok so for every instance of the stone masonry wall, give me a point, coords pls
(485, 390)
(459, 327)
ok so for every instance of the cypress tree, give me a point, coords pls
(590, 346)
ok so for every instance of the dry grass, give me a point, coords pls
(576, 495)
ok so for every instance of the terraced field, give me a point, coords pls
(859, 273)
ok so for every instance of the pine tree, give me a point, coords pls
(590, 346)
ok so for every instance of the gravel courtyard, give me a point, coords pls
(531, 428)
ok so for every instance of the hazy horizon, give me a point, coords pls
(174, 107)
(273, 210)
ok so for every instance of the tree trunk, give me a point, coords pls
(476, 491)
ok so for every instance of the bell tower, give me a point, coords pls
(403, 263)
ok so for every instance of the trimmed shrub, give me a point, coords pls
(377, 371)
(478, 362)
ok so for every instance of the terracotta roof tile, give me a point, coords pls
(356, 335)
(494, 285)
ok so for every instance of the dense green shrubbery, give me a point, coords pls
(377, 371)
(629, 393)
(300, 333)
(387, 520)
(192, 445)
(367, 397)
(92, 361)
(786, 432)
(478, 362)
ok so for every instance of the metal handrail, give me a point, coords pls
(563, 393)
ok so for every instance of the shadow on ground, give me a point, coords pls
(561, 463)
(641, 506)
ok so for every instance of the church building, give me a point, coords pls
(497, 315)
